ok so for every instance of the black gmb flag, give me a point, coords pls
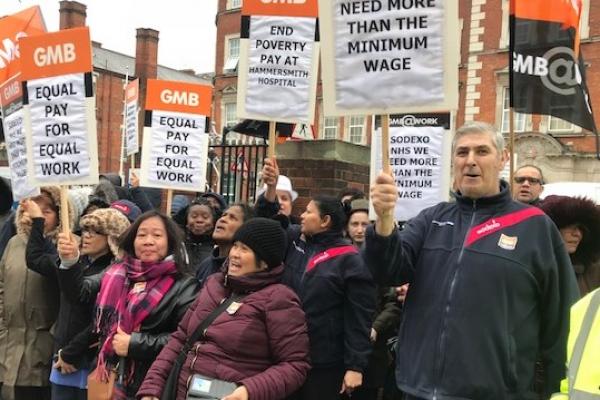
(548, 72)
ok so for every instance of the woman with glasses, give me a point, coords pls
(100, 231)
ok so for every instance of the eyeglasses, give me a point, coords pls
(522, 179)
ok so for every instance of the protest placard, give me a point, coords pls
(175, 145)
(279, 53)
(59, 108)
(419, 158)
(131, 117)
(12, 28)
(11, 101)
(389, 56)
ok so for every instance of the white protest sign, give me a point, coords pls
(175, 146)
(14, 135)
(279, 53)
(60, 108)
(385, 56)
(420, 161)
(131, 117)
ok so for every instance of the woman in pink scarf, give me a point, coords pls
(140, 300)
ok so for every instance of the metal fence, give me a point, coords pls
(234, 170)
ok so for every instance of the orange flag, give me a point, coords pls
(27, 22)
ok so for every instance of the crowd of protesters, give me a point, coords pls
(471, 299)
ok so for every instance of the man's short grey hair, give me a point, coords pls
(479, 127)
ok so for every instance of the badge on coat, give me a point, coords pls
(138, 287)
(233, 307)
(507, 242)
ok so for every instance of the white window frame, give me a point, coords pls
(520, 119)
(505, 32)
(351, 124)
(226, 121)
(334, 125)
(230, 62)
(568, 128)
(234, 4)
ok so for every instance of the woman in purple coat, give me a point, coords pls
(260, 343)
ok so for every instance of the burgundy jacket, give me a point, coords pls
(263, 345)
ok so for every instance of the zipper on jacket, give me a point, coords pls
(197, 347)
(442, 341)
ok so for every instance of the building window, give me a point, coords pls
(232, 54)
(230, 114)
(556, 124)
(330, 128)
(520, 119)
(356, 129)
(231, 4)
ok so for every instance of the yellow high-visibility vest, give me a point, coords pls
(583, 351)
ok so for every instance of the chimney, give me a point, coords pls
(72, 14)
(146, 54)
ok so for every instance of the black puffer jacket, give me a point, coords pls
(71, 331)
(491, 286)
(156, 328)
(338, 296)
(74, 324)
(209, 266)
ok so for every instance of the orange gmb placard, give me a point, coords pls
(58, 53)
(13, 27)
(178, 97)
(283, 8)
(10, 90)
(132, 91)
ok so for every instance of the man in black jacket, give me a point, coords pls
(490, 283)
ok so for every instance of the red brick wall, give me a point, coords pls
(313, 177)
(109, 109)
(228, 23)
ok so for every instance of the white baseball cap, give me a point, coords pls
(284, 184)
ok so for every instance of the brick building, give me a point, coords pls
(562, 150)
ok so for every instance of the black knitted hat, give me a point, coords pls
(265, 237)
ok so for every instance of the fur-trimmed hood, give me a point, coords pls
(24, 229)
(565, 211)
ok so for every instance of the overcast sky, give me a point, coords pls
(187, 27)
